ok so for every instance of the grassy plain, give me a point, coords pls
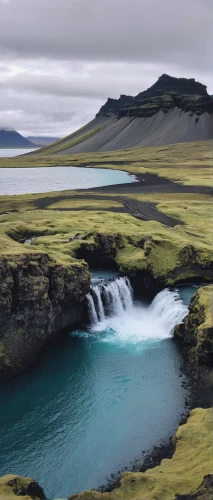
(62, 223)
(186, 163)
(167, 251)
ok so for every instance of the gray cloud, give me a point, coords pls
(60, 59)
(119, 30)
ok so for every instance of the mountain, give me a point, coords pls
(12, 139)
(163, 94)
(42, 141)
(170, 111)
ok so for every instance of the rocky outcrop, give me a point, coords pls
(112, 106)
(204, 491)
(194, 104)
(12, 486)
(100, 250)
(167, 93)
(197, 330)
(38, 298)
(169, 83)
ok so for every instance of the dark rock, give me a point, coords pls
(26, 487)
(167, 93)
(38, 298)
(196, 332)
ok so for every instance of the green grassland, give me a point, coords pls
(170, 253)
(186, 163)
(64, 224)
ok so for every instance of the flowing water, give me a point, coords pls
(47, 179)
(99, 396)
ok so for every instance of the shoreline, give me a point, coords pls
(194, 378)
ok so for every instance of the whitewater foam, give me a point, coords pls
(115, 318)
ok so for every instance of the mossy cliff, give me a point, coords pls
(186, 476)
(38, 297)
(43, 285)
(151, 262)
(12, 486)
(197, 330)
(203, 492)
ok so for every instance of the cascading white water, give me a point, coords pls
(108, 299)
(112, 312)
(92, 312)
(100, 308)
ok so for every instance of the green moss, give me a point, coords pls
(181, 252)
(197, 329)
(12, 486)
(4, 359)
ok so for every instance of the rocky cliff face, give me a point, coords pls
(167, 93)
(38, 298)
(12, 486)
(194, 104)
(197, 330)
(182, 86)
(112, 106)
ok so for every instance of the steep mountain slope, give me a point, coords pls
(172, 110)
(12, 139)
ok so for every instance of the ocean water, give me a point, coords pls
(99, 396)
(47, 179)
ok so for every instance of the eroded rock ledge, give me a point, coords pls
(197, 330)
(38, 297)
(12, 486)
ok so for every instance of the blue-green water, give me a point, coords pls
(47, 179)
(187, 291)
(93, 402)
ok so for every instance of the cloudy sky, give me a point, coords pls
(61, 59)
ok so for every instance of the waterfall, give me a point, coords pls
(113, 313)
(168, 308)
(109, 299)
(92, 312)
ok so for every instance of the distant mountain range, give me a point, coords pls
(170, 111)
(42, 141)
(12, 139)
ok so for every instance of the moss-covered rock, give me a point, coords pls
(197, 330)
(12, 486)
(180, 475)
(203, 492)
(38, 298)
